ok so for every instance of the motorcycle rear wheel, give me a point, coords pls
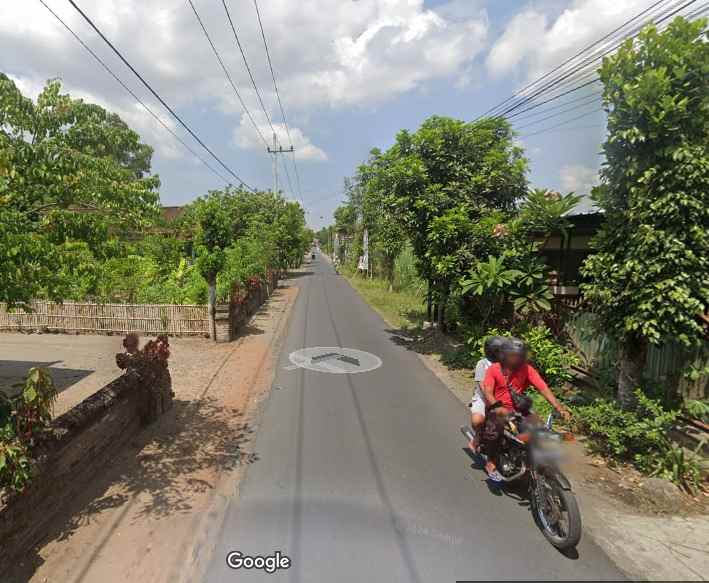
(552, 503)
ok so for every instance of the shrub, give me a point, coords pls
(639, 437)
(22, 419)
(550, 357)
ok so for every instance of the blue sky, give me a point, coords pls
(351, 74)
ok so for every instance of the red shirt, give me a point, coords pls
(520, 380)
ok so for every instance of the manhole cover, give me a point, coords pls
(335, 360)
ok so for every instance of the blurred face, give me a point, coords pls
(513, 361)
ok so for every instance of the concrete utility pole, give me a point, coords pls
(275, 151)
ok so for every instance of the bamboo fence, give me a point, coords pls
(83, 318)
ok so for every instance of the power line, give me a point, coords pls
(662, 17)
(131, 92)
(597, 110)
(226, 72)
(574, 89)
(563, 111)
(248, 69)
(522, 115)
(278, 95)
(156, 94)
(519, 93)
(591, 59)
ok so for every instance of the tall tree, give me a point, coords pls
(650, 272)
(70, 173)
(440, 180)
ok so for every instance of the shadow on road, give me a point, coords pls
(13, 372)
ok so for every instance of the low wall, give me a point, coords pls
(231, 318)
(78, 444)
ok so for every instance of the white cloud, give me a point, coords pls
(578, 178)
(326, 53)
(519, 38)
(530, 41)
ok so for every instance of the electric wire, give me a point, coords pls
(132, 93)
(156, 94)
(226, 72)
(248, 68)
(278, 96)
(570, 59)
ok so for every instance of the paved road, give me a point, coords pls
(363, 477)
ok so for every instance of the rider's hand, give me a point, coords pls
(565, 413)
(502, 413)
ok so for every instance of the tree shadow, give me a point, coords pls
(429, 341)
(160, 472)
(299, 274)
(13, 372)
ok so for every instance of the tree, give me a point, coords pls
(70, 174)
(218, 224)
(650, 272)
(441, 181)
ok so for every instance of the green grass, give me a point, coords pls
(401, 309)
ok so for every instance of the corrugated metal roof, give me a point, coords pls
(585, 207)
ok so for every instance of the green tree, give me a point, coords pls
(441, 181)
(650, 272)
(70, 173)
(218, 225)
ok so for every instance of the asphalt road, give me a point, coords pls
(363, 477)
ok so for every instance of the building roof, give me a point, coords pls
(171, 213)
(585, 207)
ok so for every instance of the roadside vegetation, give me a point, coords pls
(80, 214)
(80, 220)
(452, 201)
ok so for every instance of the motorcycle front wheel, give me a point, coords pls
(557, 513)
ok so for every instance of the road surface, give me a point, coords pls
(363, 477)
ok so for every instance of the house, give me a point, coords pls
(565, 253)
(171, 213)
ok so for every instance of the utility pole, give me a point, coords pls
(275, 151)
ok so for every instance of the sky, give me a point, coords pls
(350, 73)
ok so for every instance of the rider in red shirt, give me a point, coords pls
(512, 373)
(518, 380)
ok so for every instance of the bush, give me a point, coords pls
(22, 419)
(638, 437)
(405, 275)
(551, 358)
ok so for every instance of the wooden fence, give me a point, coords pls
(144, 319)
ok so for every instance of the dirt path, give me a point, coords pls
(137, 520)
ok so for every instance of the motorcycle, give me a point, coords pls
(533, 454)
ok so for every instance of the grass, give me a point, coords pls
(403, 309)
